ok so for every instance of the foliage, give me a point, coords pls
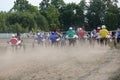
(111, 16)
(44, 4)
(3, 26)
(41, 22)
(58, 3)
(24, 19)
(72, 15)
(52, 14)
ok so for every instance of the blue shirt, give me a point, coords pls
(53, 37)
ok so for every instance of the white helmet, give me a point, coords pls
(13, 35)
(103, 26)
(38, 33)
(98, 27)
(80, 28)
(70, 28)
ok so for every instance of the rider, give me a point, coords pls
(14, 40)
(39, 38)
(81, 33)
(118, 35)
(98, 34)
(104, 34)
(18, 35)
(71, 35)
(58, 33)
(53, 37)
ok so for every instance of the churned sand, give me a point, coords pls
(58, 63)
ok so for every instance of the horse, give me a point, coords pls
(72, 41)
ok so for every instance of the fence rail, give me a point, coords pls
(9, 35)
(25, 35)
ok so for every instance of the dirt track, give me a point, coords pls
(56, 63)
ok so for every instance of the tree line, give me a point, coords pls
(53, 14)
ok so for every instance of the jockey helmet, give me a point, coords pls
(13, 35)
(103, 26)
(38, 33)
(70, 28)
(98, 27)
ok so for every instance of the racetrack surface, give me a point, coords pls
(58, 63)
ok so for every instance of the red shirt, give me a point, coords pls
(98, 30)
(81, 33)
(14, 41)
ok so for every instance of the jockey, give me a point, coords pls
(118, 35)
(53, 37)
(71, 36)
(70, 33)
(58, 33)
(14, 40)
(98, 30)
(39, 37)
(104, 32)
(104, 35)
(98, 34)
(81, 33)
(94, 34)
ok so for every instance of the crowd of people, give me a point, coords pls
(100, 35)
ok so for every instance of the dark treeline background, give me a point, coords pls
(52, 14)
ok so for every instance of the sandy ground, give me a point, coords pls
(58, 63)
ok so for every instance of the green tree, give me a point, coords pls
(118, 17)
(26, 20)
(16, 28)
(111, 15)
(20, 5)
(44, 4)
(95, 13)
(52, 15)
(67, 15)
(24, 6)
(58, 3)
(3, 24)
(102, 12)
(71, 15)
(41, 22)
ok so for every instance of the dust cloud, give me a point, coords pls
(54, 63)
